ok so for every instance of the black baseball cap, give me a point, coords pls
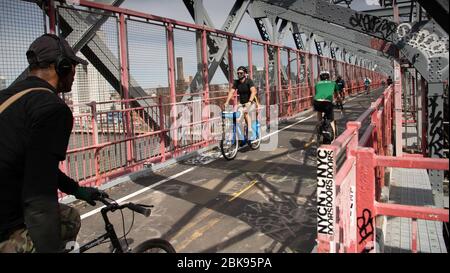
(47, 48)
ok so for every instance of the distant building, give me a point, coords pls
(181, 83)
(89, 85)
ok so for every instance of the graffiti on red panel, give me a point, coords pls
(380, 45)
(365, 225)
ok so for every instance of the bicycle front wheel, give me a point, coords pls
(155, 246)
(229, 146)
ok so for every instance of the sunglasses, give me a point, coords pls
(240, 73)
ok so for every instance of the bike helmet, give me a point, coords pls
(324, 75)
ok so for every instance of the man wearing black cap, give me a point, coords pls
(35, 126)
(247, 94)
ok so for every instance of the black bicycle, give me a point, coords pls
(323, 133)
(340, 104)
(150, 246)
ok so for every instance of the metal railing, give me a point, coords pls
(112, 137)
(351, 173)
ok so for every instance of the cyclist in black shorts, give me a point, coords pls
(341, 86)
(247, 93)
(389, 81)
(323, 100)
(367, 83)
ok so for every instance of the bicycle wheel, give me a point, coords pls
(229, 146)
(154, 246)
(325, 134)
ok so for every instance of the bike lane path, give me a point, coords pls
(262, 201)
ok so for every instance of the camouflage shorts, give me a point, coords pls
(20, 241)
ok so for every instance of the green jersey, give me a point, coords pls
(325, 90)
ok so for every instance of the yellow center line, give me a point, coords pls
(237, 194)
(191, 224)
(197, 234)
(200, 231)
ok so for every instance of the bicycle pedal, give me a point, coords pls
(309, 143)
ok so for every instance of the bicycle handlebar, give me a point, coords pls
(139, 208)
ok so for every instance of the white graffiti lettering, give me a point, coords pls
(325, 192)
(427, 42)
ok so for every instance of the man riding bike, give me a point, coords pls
(389, 81)
(247, 94)
(341, 88)
(323, 100)
(367, 82)
(36, 126)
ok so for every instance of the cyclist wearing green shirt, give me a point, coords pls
(323, 100)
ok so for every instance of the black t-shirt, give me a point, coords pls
(340, 85)
(34, 134)
(389, 81)
(243, 89)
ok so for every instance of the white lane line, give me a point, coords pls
(92, 212)
(287, 127)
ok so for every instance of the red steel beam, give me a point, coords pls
(125, 81)
(425, 213)
(414, 236)
(171, 72)
(412, 162)
(267, 83)
(250, 58)
(206, 112)
(365, 199)
(51, 16)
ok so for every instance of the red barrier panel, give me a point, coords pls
(354, 190)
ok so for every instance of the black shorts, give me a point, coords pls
(326, 107)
